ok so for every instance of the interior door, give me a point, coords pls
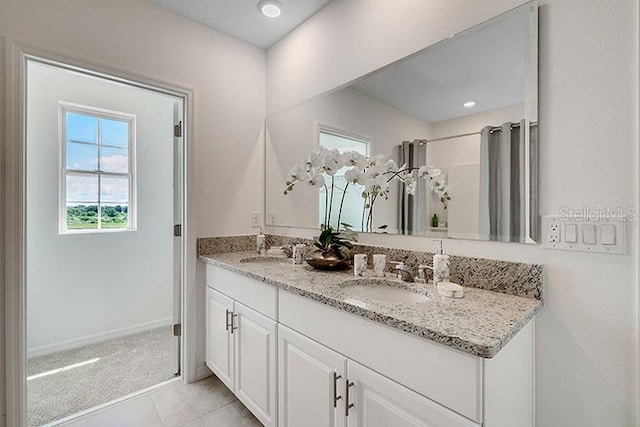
(178, 215)
(310, 382)
(220, 346)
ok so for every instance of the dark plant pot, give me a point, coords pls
(326, 261)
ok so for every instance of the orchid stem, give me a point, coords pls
(344, 193)
(331, 205)
(326, 205)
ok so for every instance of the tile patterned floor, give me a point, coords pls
(206, 403)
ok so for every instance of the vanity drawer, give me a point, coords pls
(253, 293)
(445, 375)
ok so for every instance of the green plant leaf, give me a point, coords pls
(324, 235)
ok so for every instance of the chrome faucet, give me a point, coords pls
(405, 272)
(288, 250)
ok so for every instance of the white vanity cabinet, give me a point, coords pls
(400, 379)
(297, 362)
(321, 388)
(241, 341)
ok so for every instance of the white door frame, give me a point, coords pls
(16, 56)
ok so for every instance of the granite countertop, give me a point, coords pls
(480, 324)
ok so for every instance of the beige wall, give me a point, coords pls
(586, 334)
(226, 75)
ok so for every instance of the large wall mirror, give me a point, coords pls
(463, 110)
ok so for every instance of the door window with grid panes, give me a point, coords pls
(97, 180)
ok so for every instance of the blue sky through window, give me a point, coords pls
(81, 127)
(84, 155)
(114, 132)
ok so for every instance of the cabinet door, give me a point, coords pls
(255, 369)
(379, 402)
(310, 382)
(219, 339)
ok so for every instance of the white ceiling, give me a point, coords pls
(486, 65)
(242, 19)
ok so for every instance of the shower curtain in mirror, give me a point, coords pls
(502, 210)
(412, 210)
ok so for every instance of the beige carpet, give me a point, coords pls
(71, 381)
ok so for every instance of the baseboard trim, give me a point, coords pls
(95, 338)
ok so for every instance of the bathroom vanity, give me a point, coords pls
(299, 350)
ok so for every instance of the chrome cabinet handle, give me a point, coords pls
(336, 377)
(347, 405)
(227, 325)
(233, 327)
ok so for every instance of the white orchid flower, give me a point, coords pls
(315, 159)
(315, 179)
(354, 176)
(377, 186)
(296, 174)
(410, 186)
(377, 160)
(331, 161)
(376, 170)
(353, 158)
(391, 166)
(434, 171)
(431, 172)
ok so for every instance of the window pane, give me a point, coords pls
(342, 143)
(114, 190)
(353, 203)
(81, 127)
(82, 189)
(82, 217)
(115, 216)
(82, 156)
(114, 132)
(114, 159)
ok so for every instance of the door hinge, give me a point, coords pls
(177, 130)
(177, 230)
(177, 330)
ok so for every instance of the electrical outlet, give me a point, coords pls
(554, 232)
(600, 235)
(271, 218)
(256, 219)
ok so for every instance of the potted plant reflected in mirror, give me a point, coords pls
(372, 176)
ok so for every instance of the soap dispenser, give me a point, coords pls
(261, 243)
(440, 266)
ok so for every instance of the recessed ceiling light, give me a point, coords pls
(469, 104)
(270, 8)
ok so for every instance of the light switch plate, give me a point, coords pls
(589, 234)
(606, 235)
(570, 233)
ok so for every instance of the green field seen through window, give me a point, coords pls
(85, 217)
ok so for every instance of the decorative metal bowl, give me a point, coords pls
(326, 261)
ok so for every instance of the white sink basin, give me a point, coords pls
(382, 290)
